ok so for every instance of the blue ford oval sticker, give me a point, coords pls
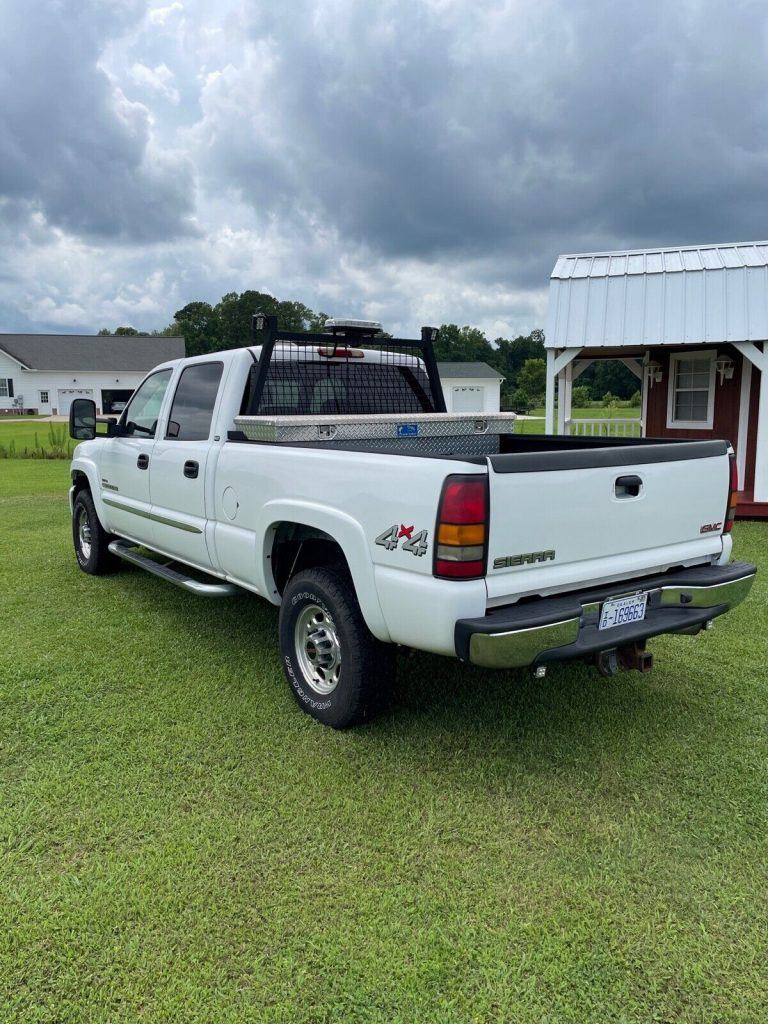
(408, 430)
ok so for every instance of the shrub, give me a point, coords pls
(581, 397)
(635, 400)
(520, 400)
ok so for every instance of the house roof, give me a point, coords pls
(450, 370)
(683, 295)
(83, 352)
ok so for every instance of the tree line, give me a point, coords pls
(521, 360)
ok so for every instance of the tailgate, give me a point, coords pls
(560, 520)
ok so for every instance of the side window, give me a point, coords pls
(140, 417)
(192, 409)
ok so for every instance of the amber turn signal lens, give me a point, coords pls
(453, 533)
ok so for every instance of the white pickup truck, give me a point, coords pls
(321, 472)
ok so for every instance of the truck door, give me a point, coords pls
(178, 474)
(124, 461)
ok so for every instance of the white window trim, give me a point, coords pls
(5, 393)
(47, 393)
(675, 358)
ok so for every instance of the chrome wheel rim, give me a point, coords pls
(318, 649)
(84, 534)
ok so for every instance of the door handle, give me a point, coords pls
(191, 469)
(628, 486)
(143, 461)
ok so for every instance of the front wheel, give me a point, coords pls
(337, 670)
(90, 538)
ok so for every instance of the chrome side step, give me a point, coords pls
(129, 551)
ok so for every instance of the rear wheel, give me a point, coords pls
(90, 538)
(337, 670)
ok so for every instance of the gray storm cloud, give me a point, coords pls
(421, 157)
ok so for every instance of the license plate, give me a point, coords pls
(623, 610)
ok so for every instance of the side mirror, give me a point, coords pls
(82, 419)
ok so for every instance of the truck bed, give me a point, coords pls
(518, 453)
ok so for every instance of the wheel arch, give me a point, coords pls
(303, 538)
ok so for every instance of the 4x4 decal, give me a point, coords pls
(416, 543)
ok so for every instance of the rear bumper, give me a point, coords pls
(555, 629)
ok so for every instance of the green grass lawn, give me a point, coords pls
(615, 413)
(32, 435)
(181, 844)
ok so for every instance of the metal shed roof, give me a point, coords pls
(90, 352)
(672, 296)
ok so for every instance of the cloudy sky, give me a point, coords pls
(415, 161)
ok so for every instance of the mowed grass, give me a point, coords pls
(181, 843)
(600, 413)
(31, 435)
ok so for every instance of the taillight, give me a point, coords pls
(733, 496)
(462, 528)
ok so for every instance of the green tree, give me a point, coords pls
(533, 378)
(198, 323)
(462, 344)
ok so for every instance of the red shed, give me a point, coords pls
(692, 325)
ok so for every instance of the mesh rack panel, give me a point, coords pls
(325, 374)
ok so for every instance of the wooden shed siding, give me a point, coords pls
(726, 413)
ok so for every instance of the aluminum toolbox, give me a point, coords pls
(465, 433)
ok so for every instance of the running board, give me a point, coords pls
(125, 549)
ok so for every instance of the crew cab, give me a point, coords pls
(323, 473)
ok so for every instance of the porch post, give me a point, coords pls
(555, 366)
(759, 359)
(549, 405)
(564, 397)
(761, 448)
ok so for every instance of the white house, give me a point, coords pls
(44, 372)
(691, 322)
(470, 387)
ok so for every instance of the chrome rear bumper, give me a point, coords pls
(555, 629)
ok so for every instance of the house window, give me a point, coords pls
(691, 403)
(6, 387)
(43, 398)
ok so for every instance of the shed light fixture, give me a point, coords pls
(654, 373)
(724, 367)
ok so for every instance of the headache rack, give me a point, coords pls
(352, 387)
(351, 369)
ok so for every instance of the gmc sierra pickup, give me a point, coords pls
(322, 472)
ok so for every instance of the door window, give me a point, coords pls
(140, 417)
(192, 409)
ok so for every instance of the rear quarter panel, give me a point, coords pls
(354, 497)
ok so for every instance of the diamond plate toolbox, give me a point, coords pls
(387, 427)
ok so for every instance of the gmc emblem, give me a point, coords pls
(711, 527)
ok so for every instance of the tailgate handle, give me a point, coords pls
(628, 486)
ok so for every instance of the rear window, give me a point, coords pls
(308, 388)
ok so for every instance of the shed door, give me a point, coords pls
(468, 399)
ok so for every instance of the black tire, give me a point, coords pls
(93, 554)
(321, 605)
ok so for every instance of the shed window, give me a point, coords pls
(43, 398)
(691, 391)
(6, 387)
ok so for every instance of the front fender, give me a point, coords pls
(85, 465)
(348, 534)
